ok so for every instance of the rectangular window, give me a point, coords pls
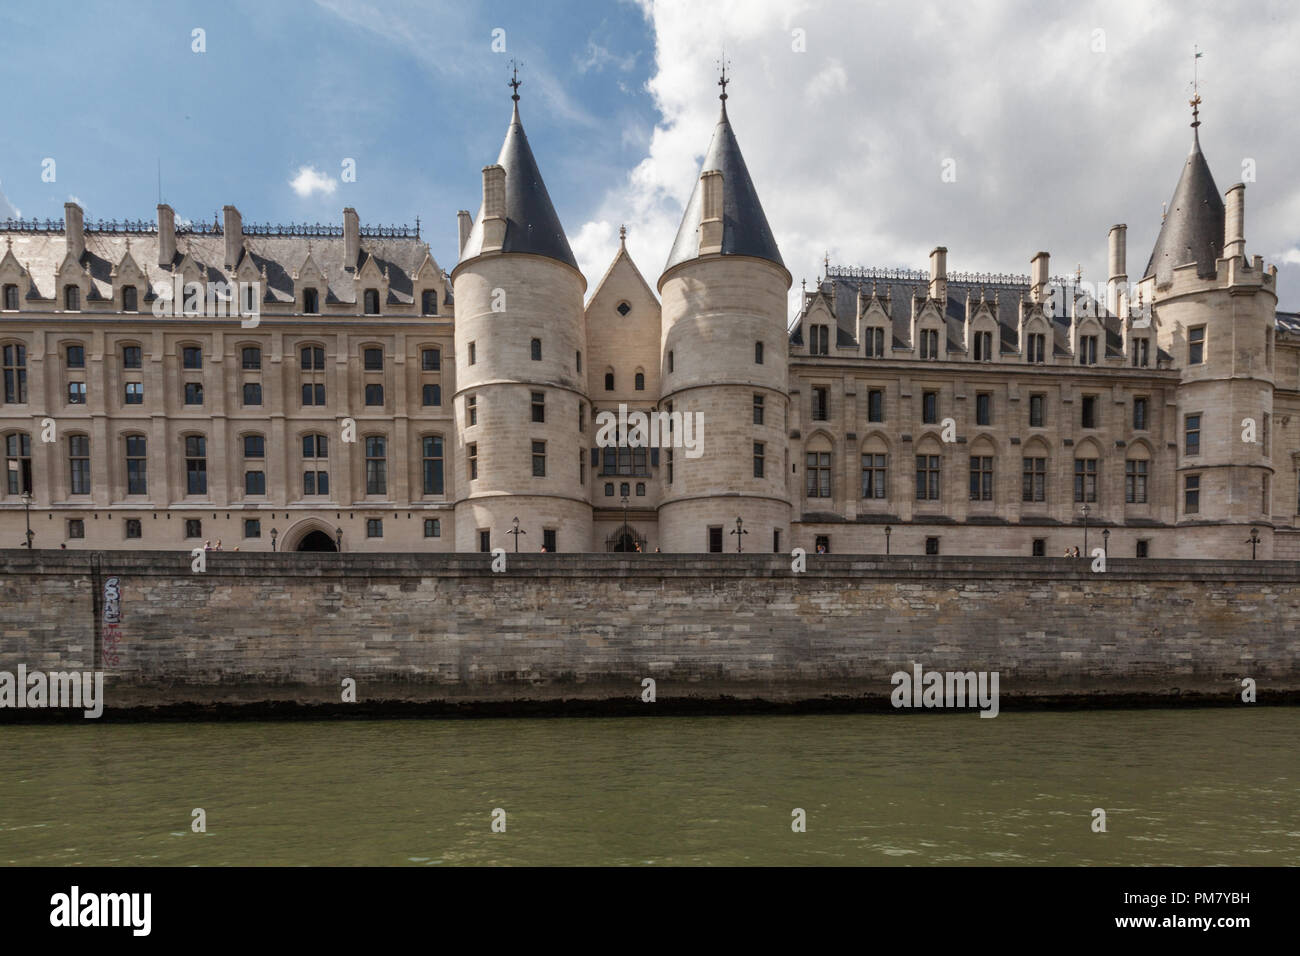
(252, 528)
(1192, 435)
(193, 528)
(134, 393)
(1035, 480)
(930, 408)
(76, 356)
(374, 527)
(1037, 348)
(254, 446)
(1085, 480)
(11, 298)
(984, 346)
(929, 344)
(374, 360)
(196, 465)
(313, 394)
(193, 393)
(79, 464)
(1196, 345)
(473, 353)
(18, 452)
(1089, 411)
(876, 405)
(1040, 547)
(1263, 433)
(76, 393)
(251, 358)
(471, 456)
(539, 459)
(1139, 414)
(429, 302)
(1135, 482)
(133, 529)
(471, 409)
(191, 357)
(252, 393)
(15, 371)
(715, 539)
(875, 342)
(76, 528)
(432, 455)
(1265, 505)
(1192, 494)
(371, 301)
(758, 459)
(1143, 548)
(1037, 403)
(931, 545)
(432, 528)
(758, 355)
(548, 540)
(254, 482)
(431, 395)
(819, 474)
(374, 394)
(137, 482)
(430, 360)
(539, 406)
(376, 465)
(132, 356)
(984, 408)
(313, 359)
(820, 404)
(1087, 350)
(758, 409)
(927, 477)
(1141, 352)
(981, 478)
(873, 476)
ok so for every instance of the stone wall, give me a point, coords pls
(255, 628)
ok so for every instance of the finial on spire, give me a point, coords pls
(826, 261)
(1195, 101)
(622, 235)
(723, 81)
(514, 82)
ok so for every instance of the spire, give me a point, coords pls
(1192, 230)
(745, 231)
(532, 226)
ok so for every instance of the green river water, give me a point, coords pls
(1205, 786)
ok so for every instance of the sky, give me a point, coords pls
(873, 131)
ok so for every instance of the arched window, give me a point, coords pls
(609, 381)
(432, 460)
(71, 298)
(640, 381)
(535, 349)
(18, 462)
(310, 301)
(79, 464)
(137, 465)
(130, 300)
(196, 465)
(758, 353)
(670, 357)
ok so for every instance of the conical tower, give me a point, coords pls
(520, 334)
(1214, 312)
(725, 365)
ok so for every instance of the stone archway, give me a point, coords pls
(316, 541)
(624, 539)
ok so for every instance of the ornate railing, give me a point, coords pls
(184, 228)
(31, 225)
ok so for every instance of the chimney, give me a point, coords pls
(1039, 266)
(494, 208)
(1117, 273)
(939, 274)
(1234, 223)
(711, 221)
(234, 230)
(73, 229)
(351, 239)
(166, 235)
(463, 225)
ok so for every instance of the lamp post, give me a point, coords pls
(1105, 542)
(1254, 540)
(273, 535)
(338, 539)
(888, 532)
(27, 512)
(1085, 510)
(623, 540)
(740, 530)
(516, 531)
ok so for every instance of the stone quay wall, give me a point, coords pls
(712, 630)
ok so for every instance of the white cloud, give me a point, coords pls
(310, 180)
(597, 57)
(7, 209)
(1053, 142)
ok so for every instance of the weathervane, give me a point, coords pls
(1195, 101)
(723, 81)
(514, 82)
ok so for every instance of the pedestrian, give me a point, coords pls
(638, 547)
(207, 545)
(657, 550)
(218, 545)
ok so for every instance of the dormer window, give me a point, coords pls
(984, 346)
(929, 344)
(429, 302)
(875, 342)
(819, 340)
(130, 300)
(11, 298)
(1037, 348)
(1141, 352)
(310, 301)
(371, 302)
(1087, 350)
(71, 298)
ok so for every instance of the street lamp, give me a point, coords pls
(1254, 540)
(338, 539)
(273, 534)
(740, 529)
(623, 541)
(888, 532)
(1085, 510)
(1105, 542)
(516, 531)
(27, 512)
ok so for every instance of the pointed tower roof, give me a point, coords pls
(1193, 226)
(745, 231)
(531, 223)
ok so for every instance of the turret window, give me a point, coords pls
(539, 459)
(639, 382)
(1192, 435)
(609, 381)
(535, 350)
(758, 354)
(539, 406)
(1192, 494)
(1196, 345)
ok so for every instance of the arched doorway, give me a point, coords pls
(624, 539)
(316, 541)
(625, 542)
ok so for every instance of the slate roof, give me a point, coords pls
(745, 231)
(43, 252)
(1193, 226)
(531, 223)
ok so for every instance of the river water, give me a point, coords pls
(1210, 786)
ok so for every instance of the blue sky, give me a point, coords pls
(1060, 120)
(418, 99)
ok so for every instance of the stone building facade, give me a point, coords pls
(374, 402)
